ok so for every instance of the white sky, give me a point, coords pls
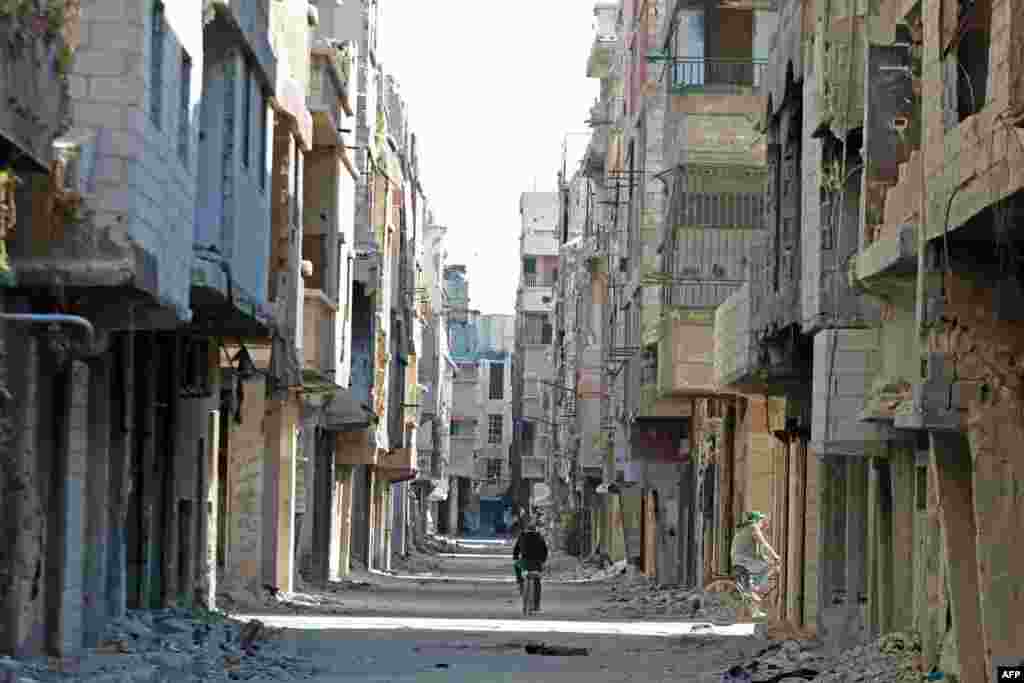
(492, 87)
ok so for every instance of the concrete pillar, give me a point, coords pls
(122, 439)
(796, 457)
(170, 455)
(932, 621)
(902, 478)
(321, 510)
(279, 494)
(23, 494)
(812, 516)
(387, 512)
(97, 491)
(952, 469)
(856, 544)
(880, 547)
(210, 487)
(454, 506)
(67, 534)
(307, 469)
(996, 431)
(345, 477)
(148, 483)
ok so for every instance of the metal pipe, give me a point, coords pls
(42, 318)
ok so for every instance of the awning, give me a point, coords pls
(345, 413)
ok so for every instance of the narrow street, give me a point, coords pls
(463, 622)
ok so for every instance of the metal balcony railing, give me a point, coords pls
(696, 73)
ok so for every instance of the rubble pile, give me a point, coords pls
(640, 596)
(893, 658)
(158, 646)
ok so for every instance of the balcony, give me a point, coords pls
(35, 65)
(398, 464)
(318, 332)
(697, 74)
(251, 19)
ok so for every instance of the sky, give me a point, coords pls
(492, 88)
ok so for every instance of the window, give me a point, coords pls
(156, 65)
(247, 117)
(495, 425)
(184, 123)
(494, 468)
(536, 328)
(261, 133)
(497, 391)
(529, 271)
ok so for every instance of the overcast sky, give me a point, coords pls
(492, 88)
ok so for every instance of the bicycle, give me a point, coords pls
(531, 586)
(740, 589)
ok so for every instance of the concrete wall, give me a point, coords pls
(233, 208)
(144, 191)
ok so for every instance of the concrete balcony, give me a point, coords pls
(686, 356)
(399, 464)
(355, 448)
(250, 20)
(318, 333)
(36, 99)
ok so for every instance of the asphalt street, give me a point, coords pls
(461, 620)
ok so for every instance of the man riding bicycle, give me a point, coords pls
(529, 555)
(754, 556)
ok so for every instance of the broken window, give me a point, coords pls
(494, 468)
(972, 43)
(529, 271)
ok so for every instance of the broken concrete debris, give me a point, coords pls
(555, 650)
(168, 645)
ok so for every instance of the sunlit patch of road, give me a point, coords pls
(355, 623)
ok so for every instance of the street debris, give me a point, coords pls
(159, 646)
(893, 658)
(555, 650)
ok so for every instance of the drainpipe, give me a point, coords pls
(53, 318)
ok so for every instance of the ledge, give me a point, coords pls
(892, 255)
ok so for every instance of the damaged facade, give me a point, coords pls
(793, 294)
(214, 222)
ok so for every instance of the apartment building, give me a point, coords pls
(539, 241)
(210, 319)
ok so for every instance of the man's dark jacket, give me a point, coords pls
(533, 549)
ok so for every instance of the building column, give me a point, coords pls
(209, 520)
(279, 494)
(341, 542)
(97, 491)
(952, 470)
(902, 478)
(68, 532)
(148, 485)
(310, 559)
(321, 510)
(797, 459)
(856, 545)
(23, 493)
(880, 549)
(831, 550)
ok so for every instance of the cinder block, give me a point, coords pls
(119, 89)
(118, 34)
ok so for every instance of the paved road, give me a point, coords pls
(463, 623)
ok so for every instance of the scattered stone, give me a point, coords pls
(555, 650)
